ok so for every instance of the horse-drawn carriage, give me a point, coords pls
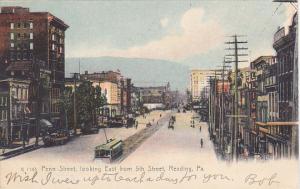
(171, 122)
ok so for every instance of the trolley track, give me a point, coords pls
(136, 140)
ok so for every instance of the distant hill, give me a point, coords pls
(144, 72)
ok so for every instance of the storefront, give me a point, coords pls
(277, 139)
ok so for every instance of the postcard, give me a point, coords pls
(149, 94)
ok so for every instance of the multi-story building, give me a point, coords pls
(157, 97)
(135, 100)
(287, 71)
(115, 87)
(126, 96)
(14, 111)
(33, 42)
(198, 82)
(113, 102)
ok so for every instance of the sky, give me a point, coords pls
(187, 32)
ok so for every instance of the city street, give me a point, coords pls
(182, 143)
(81, 149)
(179, 145)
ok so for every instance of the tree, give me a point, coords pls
(67, 106)
(99, 101)
(89, 102)
(85, 99)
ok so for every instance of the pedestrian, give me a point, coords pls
(136, 124)
(201, 142)
(200, 129)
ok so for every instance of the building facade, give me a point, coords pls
(198, 83)
(286, 49)
(116, 88)
(157, 97)
(14, 112)
(34, 42)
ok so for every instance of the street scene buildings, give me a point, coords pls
(253, 110)
(240, 113)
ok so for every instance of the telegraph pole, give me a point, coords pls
(75, 75)
(236, 55)
(222, 103)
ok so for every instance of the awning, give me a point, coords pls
(276, 138)
(45, 123)
(278, 123)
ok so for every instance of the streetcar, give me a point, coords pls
(110, 150)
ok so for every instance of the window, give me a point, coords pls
(22, 93)
(12, 25)
(26, 94)
(19, 25)
(19, 56)
(12, 56)
(5, 115)
(19, 93)
(25, 56)
(53, 37)
(25, 45)
(30, 25)
(31, 46)
(12, 36)
(53, 47)
(31, 36)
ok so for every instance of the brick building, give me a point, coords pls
(32, 47)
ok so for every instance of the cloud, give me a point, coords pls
(164, 22)
(197, 35)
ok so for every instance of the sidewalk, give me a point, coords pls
(11, 152)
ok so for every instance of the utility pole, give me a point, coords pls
(75, 75)
(222, 109)
(37, 80)
(236, 55)
(210, 106)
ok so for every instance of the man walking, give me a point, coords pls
(200, 128)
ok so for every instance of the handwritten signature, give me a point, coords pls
(253, 179)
